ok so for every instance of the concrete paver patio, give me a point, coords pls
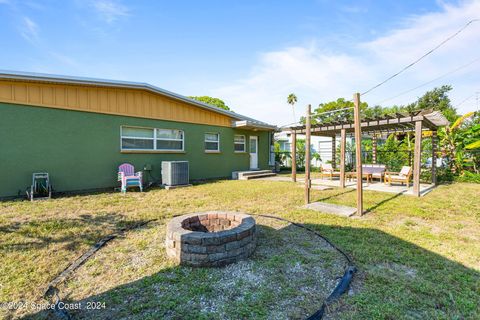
(336, 209)
(396, 188)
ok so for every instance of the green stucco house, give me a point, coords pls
(80, 130)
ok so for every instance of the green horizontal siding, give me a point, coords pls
(81, 150)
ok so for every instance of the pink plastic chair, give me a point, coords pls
(129, 178)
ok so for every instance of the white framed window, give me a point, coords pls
(239, 143)
(212, 142)
(169, 139)
(138, 138)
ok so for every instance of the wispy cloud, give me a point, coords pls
(354, 9)
(29, 30)
(64, 59)
(41, 6)
(110, 10)
(316, 73)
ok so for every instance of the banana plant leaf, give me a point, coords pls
(473, 145)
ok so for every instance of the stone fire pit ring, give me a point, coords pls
(211, 239)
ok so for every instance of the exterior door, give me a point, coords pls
(253, 145)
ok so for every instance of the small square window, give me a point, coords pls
(239, 142)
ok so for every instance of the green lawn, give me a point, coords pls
(418, 258)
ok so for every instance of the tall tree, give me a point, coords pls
(291, 100)
(437, 99)
(216, 102)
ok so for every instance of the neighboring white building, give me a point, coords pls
(320, 145)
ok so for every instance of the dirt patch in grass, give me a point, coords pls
(288, 277)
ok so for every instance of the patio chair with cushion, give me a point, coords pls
(327, 169)
(129, 178)
(403, 176)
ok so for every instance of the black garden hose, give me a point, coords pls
(51, 293)
(340, 289)
(344, 282)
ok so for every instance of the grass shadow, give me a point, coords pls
(396, 280)
(70, 232)
(379, 204)
(288, 261)
(400, 280)
(336, 194)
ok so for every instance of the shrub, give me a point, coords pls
(468, 176)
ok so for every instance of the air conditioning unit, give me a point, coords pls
(175, 173)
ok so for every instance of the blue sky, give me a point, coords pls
(252, 54)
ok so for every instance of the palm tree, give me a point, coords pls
(292, 99)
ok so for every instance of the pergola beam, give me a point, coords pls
(417, 158)
(388, 122)
(334, 151)
(294, 156)
(307, 156)
(389, 128)
(358, 153)
(343, 141)
(434, 157)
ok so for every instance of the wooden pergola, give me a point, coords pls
(424, 120)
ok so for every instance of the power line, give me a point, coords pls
(428, 82)
(331, 111)
(465, 100)
(422, 57)
(477, 100)
(313, 115)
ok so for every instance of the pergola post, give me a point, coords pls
(307, 156)
(434, 157)
(417, 158)
(358, 153)
(374, 148)
(343, 140)
(294, 156)
(334, 153)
